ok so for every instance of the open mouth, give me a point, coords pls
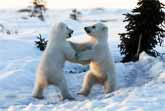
(70, 34)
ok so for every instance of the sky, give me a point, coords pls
(64, 4)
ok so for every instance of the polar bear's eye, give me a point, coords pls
(93, 27)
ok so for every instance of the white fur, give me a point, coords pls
(102, 68)
(50, 69)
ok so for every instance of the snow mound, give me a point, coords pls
(148, 90)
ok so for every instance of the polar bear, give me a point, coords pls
(102, 68)
(50, 68)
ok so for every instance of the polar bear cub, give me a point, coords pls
(102, 70)
(50, 69)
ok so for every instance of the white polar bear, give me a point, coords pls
(102, 69)
(50, 69)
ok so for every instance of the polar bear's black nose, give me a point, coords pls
(86, 29)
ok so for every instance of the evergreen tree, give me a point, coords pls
(41, 43)
(145, 29)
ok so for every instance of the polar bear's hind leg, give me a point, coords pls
(38, 90)
(64, 90)
(40, 84)
(88, 82)
(109, 85)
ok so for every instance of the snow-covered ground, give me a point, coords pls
(141, 85)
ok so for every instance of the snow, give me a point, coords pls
(141, 85)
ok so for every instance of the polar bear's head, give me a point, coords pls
(64, 30)
(98, 30)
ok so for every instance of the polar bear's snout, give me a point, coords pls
(87, 30)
